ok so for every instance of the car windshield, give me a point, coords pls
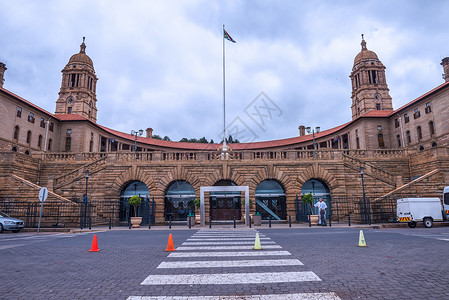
(3, 215)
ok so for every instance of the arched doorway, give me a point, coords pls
(318, 189)
(271, 200)
(131, 189)
(224, 206)
(179, 201)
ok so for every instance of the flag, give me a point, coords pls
(227, 36)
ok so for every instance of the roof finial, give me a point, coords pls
(83, 46)
(363, 43)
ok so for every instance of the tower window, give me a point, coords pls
(69, 131)
(357, 142)
(72, 80)
(52, 126)
(69, 110)
(378, 106)
(31, 117)
(28, 137)
(19, 112)
(49, 144)
(409, 138)
(39, 141)
(42, 124)
(416, 114)
(379, 127)
(428, 108)
(419, 132)
(431, 128)
(406, 118)
(399, 140)
(16, 132)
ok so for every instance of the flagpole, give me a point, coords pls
(224, 94)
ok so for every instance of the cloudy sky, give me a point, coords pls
(159, 63)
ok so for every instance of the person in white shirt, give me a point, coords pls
(322, 206)
(319, 215)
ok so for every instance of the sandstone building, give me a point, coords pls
(402, 151)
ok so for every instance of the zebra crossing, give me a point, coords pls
(221, 254)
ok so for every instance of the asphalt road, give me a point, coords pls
(396, 264)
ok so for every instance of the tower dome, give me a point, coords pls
(81, 57)
(365, 54)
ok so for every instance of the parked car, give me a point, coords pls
(8, 223)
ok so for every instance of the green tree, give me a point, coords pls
(185, 140)
(157, 137)
(135, 201)
(211, 141)
(166, 138)
(203, 140)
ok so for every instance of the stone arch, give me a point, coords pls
(317, 172)
(132, 174)
(179, 173)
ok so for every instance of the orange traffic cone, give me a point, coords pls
(94, 247)
(170, 244)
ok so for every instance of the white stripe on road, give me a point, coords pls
(224, 243)
(10, 246)
(231, 278)
(297, 296)
(443, 239)
(248, 247)
(246, 236)
(222, 254)
(229, 263)
(224, 239)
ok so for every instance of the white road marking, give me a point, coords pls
(224, 243)
(296, 296)
(222, 254)
(10, 246)
(443, 239)
(248, 247)
(224, 239)
(230, 263)
(231, 278)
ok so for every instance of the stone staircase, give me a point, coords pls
(369, 169)
(79, 173)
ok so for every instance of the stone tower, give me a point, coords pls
(2, 73)
(78, 86)
(369, 85)
(444, 63)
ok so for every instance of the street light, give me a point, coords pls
(363, 190)
(313, 130)
(85, 198)
(136, 133)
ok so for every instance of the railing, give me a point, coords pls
(79, 173)
(370, 169)
(321, 154)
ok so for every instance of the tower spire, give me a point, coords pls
(363, 43)
(83, 46)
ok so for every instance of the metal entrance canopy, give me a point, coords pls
(223, 189)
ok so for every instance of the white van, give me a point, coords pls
(413, 210)
(446, 202)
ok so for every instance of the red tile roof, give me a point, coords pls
(26, 101)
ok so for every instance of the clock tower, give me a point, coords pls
(78, 87)
(369, 85)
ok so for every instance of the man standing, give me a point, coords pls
(322, 205)
(319, 212)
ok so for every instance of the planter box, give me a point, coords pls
(314, 219)
(257, 220)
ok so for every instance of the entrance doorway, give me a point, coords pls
(318, 189)
(144, 210)
(179, 201)
(271, 201)
(224, 206)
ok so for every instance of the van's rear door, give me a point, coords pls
(403, 210)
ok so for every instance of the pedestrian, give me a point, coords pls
(323, 207)
(319, 215)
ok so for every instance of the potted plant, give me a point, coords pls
(308, 199)
(135, 201)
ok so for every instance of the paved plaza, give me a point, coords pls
(220, 263)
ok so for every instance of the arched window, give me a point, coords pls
(39, 141)
(398, 137)
(434, 144)
(419, 132)
(135, 188)
(68, 144)
(16, 132)
(380, 140)
(318, 189)
(431, 128)
(91, 146)
(28, 137)
(409, 138)
(14, 149)
(421, 148)
(357, 142)
(27, 152)
(49, 145)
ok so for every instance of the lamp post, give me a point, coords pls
(136, 133)
(313, 130)
(85, 198)
(363, 190)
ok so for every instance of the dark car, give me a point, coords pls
(8, 223)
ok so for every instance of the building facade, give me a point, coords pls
(399, 151)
